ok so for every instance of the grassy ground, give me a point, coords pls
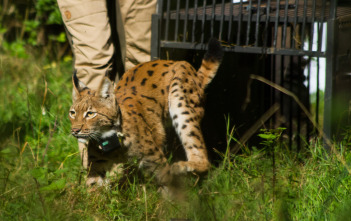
(41, 177)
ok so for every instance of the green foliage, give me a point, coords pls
(35, 25)
(34, 137)
(42, 178)
(271, 137)
(16, 49)
(31, 28)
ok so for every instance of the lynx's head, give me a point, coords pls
(94, 114)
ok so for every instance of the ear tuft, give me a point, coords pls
(78, 86)
(106, 88)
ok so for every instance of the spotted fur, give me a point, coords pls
(139, 106)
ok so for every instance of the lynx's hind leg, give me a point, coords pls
(185, 99)
(186, 113)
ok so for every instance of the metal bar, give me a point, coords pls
(186, 20)
(317, 93)
(276, 24)
(333, 7)
(309, 89)
(230, 22)
(213, 16)
(320, 28)
(244, 49)
(309, 76)
(310, 45)
(293, 39)
(203, 21)
(160, 28)
(329, 81)
(290, 101)
(280, 62)
(155, 37)
(273, 78)
(300, 84)
(239, 23)
(222, 22)
(167, 19)
(177, 21)
(269, 74)
(257, 22)
(320, 38)
(298, 132)
(245, 18)
(194, 22)
(308, 123)
(303, 23)
(249, 23)
(266, 23)
(285, 23)
(159, 8)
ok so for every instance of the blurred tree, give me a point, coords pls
(32, 25)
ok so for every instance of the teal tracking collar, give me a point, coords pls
(112, 142)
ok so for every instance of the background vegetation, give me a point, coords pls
(34, 25)
(40, 173)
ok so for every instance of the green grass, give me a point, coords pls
(41, 177)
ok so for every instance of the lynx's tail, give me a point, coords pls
(210, 62)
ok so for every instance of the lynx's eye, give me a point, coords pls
(72, 114)
(90, 114)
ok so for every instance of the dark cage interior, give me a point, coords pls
(273, 47)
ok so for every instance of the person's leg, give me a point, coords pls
(136, 16)
(89, 31)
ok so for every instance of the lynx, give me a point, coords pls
(128, 120)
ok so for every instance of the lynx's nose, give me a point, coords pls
(75, 131)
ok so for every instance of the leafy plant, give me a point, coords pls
(34, 25)
(271, 137)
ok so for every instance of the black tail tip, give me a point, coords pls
(214, 51)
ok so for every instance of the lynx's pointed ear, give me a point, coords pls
(106, 88)
(78, 86)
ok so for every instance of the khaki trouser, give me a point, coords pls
(89, 30)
